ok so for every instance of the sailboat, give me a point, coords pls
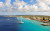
(21, 21)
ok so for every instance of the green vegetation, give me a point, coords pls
(33, 17)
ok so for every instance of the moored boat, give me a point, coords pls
(44, 24)
(21, 21)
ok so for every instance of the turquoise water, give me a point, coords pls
(28, 25)
(35, 26)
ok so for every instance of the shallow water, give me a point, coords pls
(31, 25)
(11, 24)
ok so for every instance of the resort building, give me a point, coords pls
(39, 18)
(49, 18)
(45, 19)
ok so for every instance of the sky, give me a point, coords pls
(24, 7)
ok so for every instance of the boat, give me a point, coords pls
(8, 19)
(44, 24)
(21, 21)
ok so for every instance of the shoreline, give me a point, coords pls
(35, 17)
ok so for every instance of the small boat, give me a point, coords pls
(44, 24)
(8, 19)
(21, 22)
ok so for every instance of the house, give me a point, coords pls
(39, 18)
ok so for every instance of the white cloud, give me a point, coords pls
(27, 8)
(1, 5)
(44, 1)
(8, 3)
(19, 3)
(43, 4)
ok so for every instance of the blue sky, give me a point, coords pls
(27, 1)
(2, 0)
(31, 7)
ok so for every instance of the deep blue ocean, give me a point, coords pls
(11, 24)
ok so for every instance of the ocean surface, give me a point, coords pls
(11, 24)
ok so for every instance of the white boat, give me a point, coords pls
(21, 21)
(8, 19)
